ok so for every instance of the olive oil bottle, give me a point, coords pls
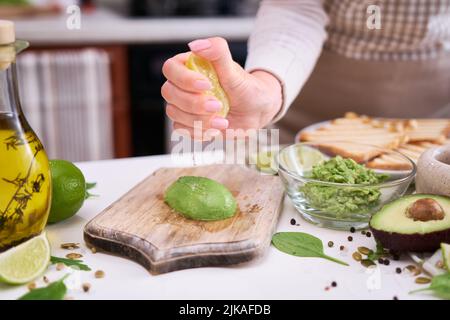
(25, 183)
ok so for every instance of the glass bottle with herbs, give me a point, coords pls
(25, 184)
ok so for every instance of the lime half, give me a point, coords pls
(446, 255)
(203, 66)
(309, 157)
(25, 262)
(301, 158)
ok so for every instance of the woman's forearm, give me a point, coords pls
(287, 41)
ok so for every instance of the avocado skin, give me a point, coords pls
(200, 198)
(415, 242)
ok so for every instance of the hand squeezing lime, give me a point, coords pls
(203, 66)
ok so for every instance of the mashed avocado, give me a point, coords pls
(343, 200)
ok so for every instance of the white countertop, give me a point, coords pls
(275, 276)
(104, 27)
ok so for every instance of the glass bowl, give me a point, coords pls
(342, 205)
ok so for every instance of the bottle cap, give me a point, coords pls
(7, 33)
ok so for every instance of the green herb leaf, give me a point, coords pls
(90, 195)
(14, 2)
(54, 291)
(75, 264)
(301, 245)
(378, 253)
(440, 285)
(90, 185)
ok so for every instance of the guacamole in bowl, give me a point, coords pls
(338, 200)
(337, 191)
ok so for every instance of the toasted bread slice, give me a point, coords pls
(389, 162)
(361, 154)
(394, 161)
(354, 129)
(434, 130)
(411, 150)
(368, 135)
(432, 136)
(409, 136)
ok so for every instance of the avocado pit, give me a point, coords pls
(425, 209)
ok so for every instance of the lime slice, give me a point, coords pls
(446, 255)
(309, 157)
(25, 262)
(198, 64)
(265, 161)
(302, 158)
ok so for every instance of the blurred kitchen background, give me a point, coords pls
(94, 92)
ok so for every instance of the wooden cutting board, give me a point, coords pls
(141, 226)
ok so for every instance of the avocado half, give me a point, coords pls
(395, 228)
(200, 198)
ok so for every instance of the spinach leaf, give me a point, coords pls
(90, 185)
(54, 291)
(301, 245)
(440, 285)
(75, 264)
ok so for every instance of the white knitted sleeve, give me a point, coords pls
(287, 41)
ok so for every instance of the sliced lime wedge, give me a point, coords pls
(446, 255)
(310, 157)
(199, 64)
(302, 158)
(25, 262)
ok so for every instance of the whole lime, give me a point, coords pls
(68, 190)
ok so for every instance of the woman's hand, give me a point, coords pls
(255, 98)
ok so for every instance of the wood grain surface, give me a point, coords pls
(142, 227)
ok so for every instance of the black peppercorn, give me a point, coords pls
(395, 298)
(350, 238)
(352, 230)
(341, 248)
(380, 260)
(368, 234)
(334, 284)
(330, 244)
(293, 222)
(386, 262)
(398, 270)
